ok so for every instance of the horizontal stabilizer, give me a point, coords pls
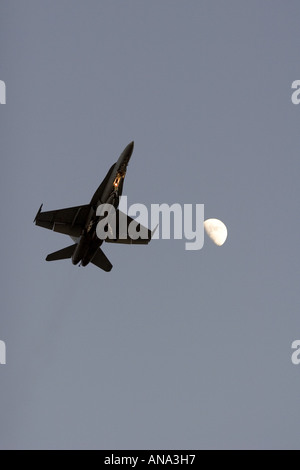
(101, 261)
(65, 253)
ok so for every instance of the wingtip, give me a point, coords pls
(153, 231)
(38, 212)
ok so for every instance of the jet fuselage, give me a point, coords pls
(81, 223)
(109, 192)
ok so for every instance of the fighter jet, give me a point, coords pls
(80, 222)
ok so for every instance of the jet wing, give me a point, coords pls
(125, 226)
(69, 221)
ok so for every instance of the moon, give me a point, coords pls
(216, 230)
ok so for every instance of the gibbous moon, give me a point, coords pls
(216, 230)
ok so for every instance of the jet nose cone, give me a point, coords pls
(125, 157)
(129, 148)
(127, 152)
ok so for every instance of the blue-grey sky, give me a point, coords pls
(173, 348)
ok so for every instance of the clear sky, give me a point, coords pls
(172, 348)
